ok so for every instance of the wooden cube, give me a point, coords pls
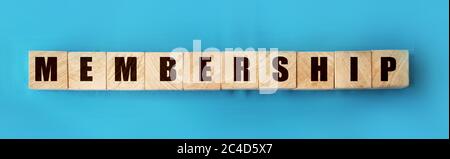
(163, 71)
(87, 70)
(47, 70)
(277, 70)
(240, 70)
(125, 70)
(315, 70)
(353, 69)
(390, 69)
(202, 71)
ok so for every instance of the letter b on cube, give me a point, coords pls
(163, 71)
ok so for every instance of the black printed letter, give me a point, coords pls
(46, 70)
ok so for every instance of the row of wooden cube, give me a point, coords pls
(222, 71)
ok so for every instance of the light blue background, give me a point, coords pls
(420, 111)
